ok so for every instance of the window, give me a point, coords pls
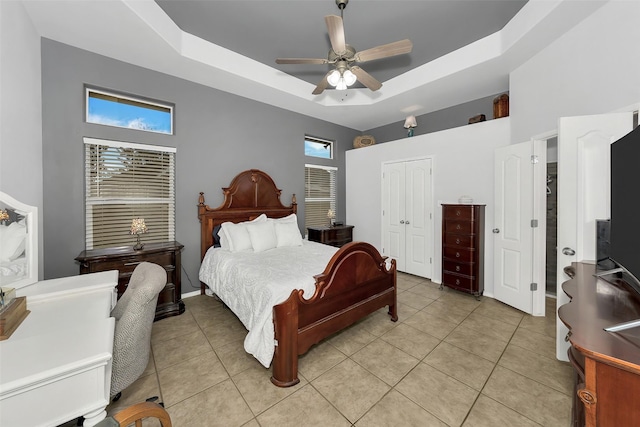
(316, 147)
(111, 109)
(125, 181)
(320, 194)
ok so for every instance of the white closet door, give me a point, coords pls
(407, 215)
(393, 214)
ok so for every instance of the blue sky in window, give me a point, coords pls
(128, 116)
(317, 149)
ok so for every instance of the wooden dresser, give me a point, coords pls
(125, 259)
(607, 364)
(463, 248)
(338, 235)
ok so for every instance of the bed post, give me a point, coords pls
(285, 358)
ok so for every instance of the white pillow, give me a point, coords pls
(222, 239)
(288, 234)
(12, 241)
(235, 237)
(289, 218)
(262, 235)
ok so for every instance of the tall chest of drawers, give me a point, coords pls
(125, 259)
(463, 248)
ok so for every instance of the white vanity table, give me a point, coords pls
(57, 365)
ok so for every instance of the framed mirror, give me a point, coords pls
(18, 243)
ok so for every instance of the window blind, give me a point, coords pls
(125, 181)
(320, 194)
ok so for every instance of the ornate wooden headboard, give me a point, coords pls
(250, 194)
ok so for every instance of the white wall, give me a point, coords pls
(592, 69)
(20, 109)
(462, 165)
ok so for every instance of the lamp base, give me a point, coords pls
(139, 245)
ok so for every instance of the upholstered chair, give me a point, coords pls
(134, 314)
(135, 414)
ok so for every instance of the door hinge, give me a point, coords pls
(534, 159)
(430, 260)
(534, 223)
(430, 215)
(534, 287)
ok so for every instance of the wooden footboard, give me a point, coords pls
(355, 283)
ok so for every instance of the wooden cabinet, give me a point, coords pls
(463, 248)
(125, 259)
(607, 364)
(337, 236)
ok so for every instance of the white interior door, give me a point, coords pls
(393, 211)
(407, 230)
(515, 222)
(417, 212)
(583, 192)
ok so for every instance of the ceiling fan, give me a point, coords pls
(343, 56)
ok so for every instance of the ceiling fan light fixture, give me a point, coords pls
(342, 85)
(349, 77)
(333, 78)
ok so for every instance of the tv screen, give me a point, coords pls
(625, 202)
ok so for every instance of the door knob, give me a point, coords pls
(402, 221)
(496, 230)
(406, 222)
(568, 251)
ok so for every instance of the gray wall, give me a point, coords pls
(447, 118)
(21, 118)
(217, 135)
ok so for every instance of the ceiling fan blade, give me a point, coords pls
(366, 78)
(336, 34)
(301, 61)
(322, 85)
(385, 50)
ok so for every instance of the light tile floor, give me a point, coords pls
(450, 360)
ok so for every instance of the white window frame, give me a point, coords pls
(144, 103)
(167, 234)
(326, 142)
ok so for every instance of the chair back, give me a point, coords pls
(134, 314)
(135, 414)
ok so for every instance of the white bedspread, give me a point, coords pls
(252, 283)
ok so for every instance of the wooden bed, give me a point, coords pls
(355, 282)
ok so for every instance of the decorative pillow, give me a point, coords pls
(216, 236)
(235, 237)
(289, 218)
(12, 243)
(263, 236)
(288, 234)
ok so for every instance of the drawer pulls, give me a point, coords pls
(457, 254)
(132, 263)
(457, 268)
(457, 281)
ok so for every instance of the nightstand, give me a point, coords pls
(337, 236)
(125, 259)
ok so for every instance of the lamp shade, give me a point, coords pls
(349, 77)
(410, 122)
(138, 226)
(333, 78)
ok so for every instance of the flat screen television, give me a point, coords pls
(624, 235)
